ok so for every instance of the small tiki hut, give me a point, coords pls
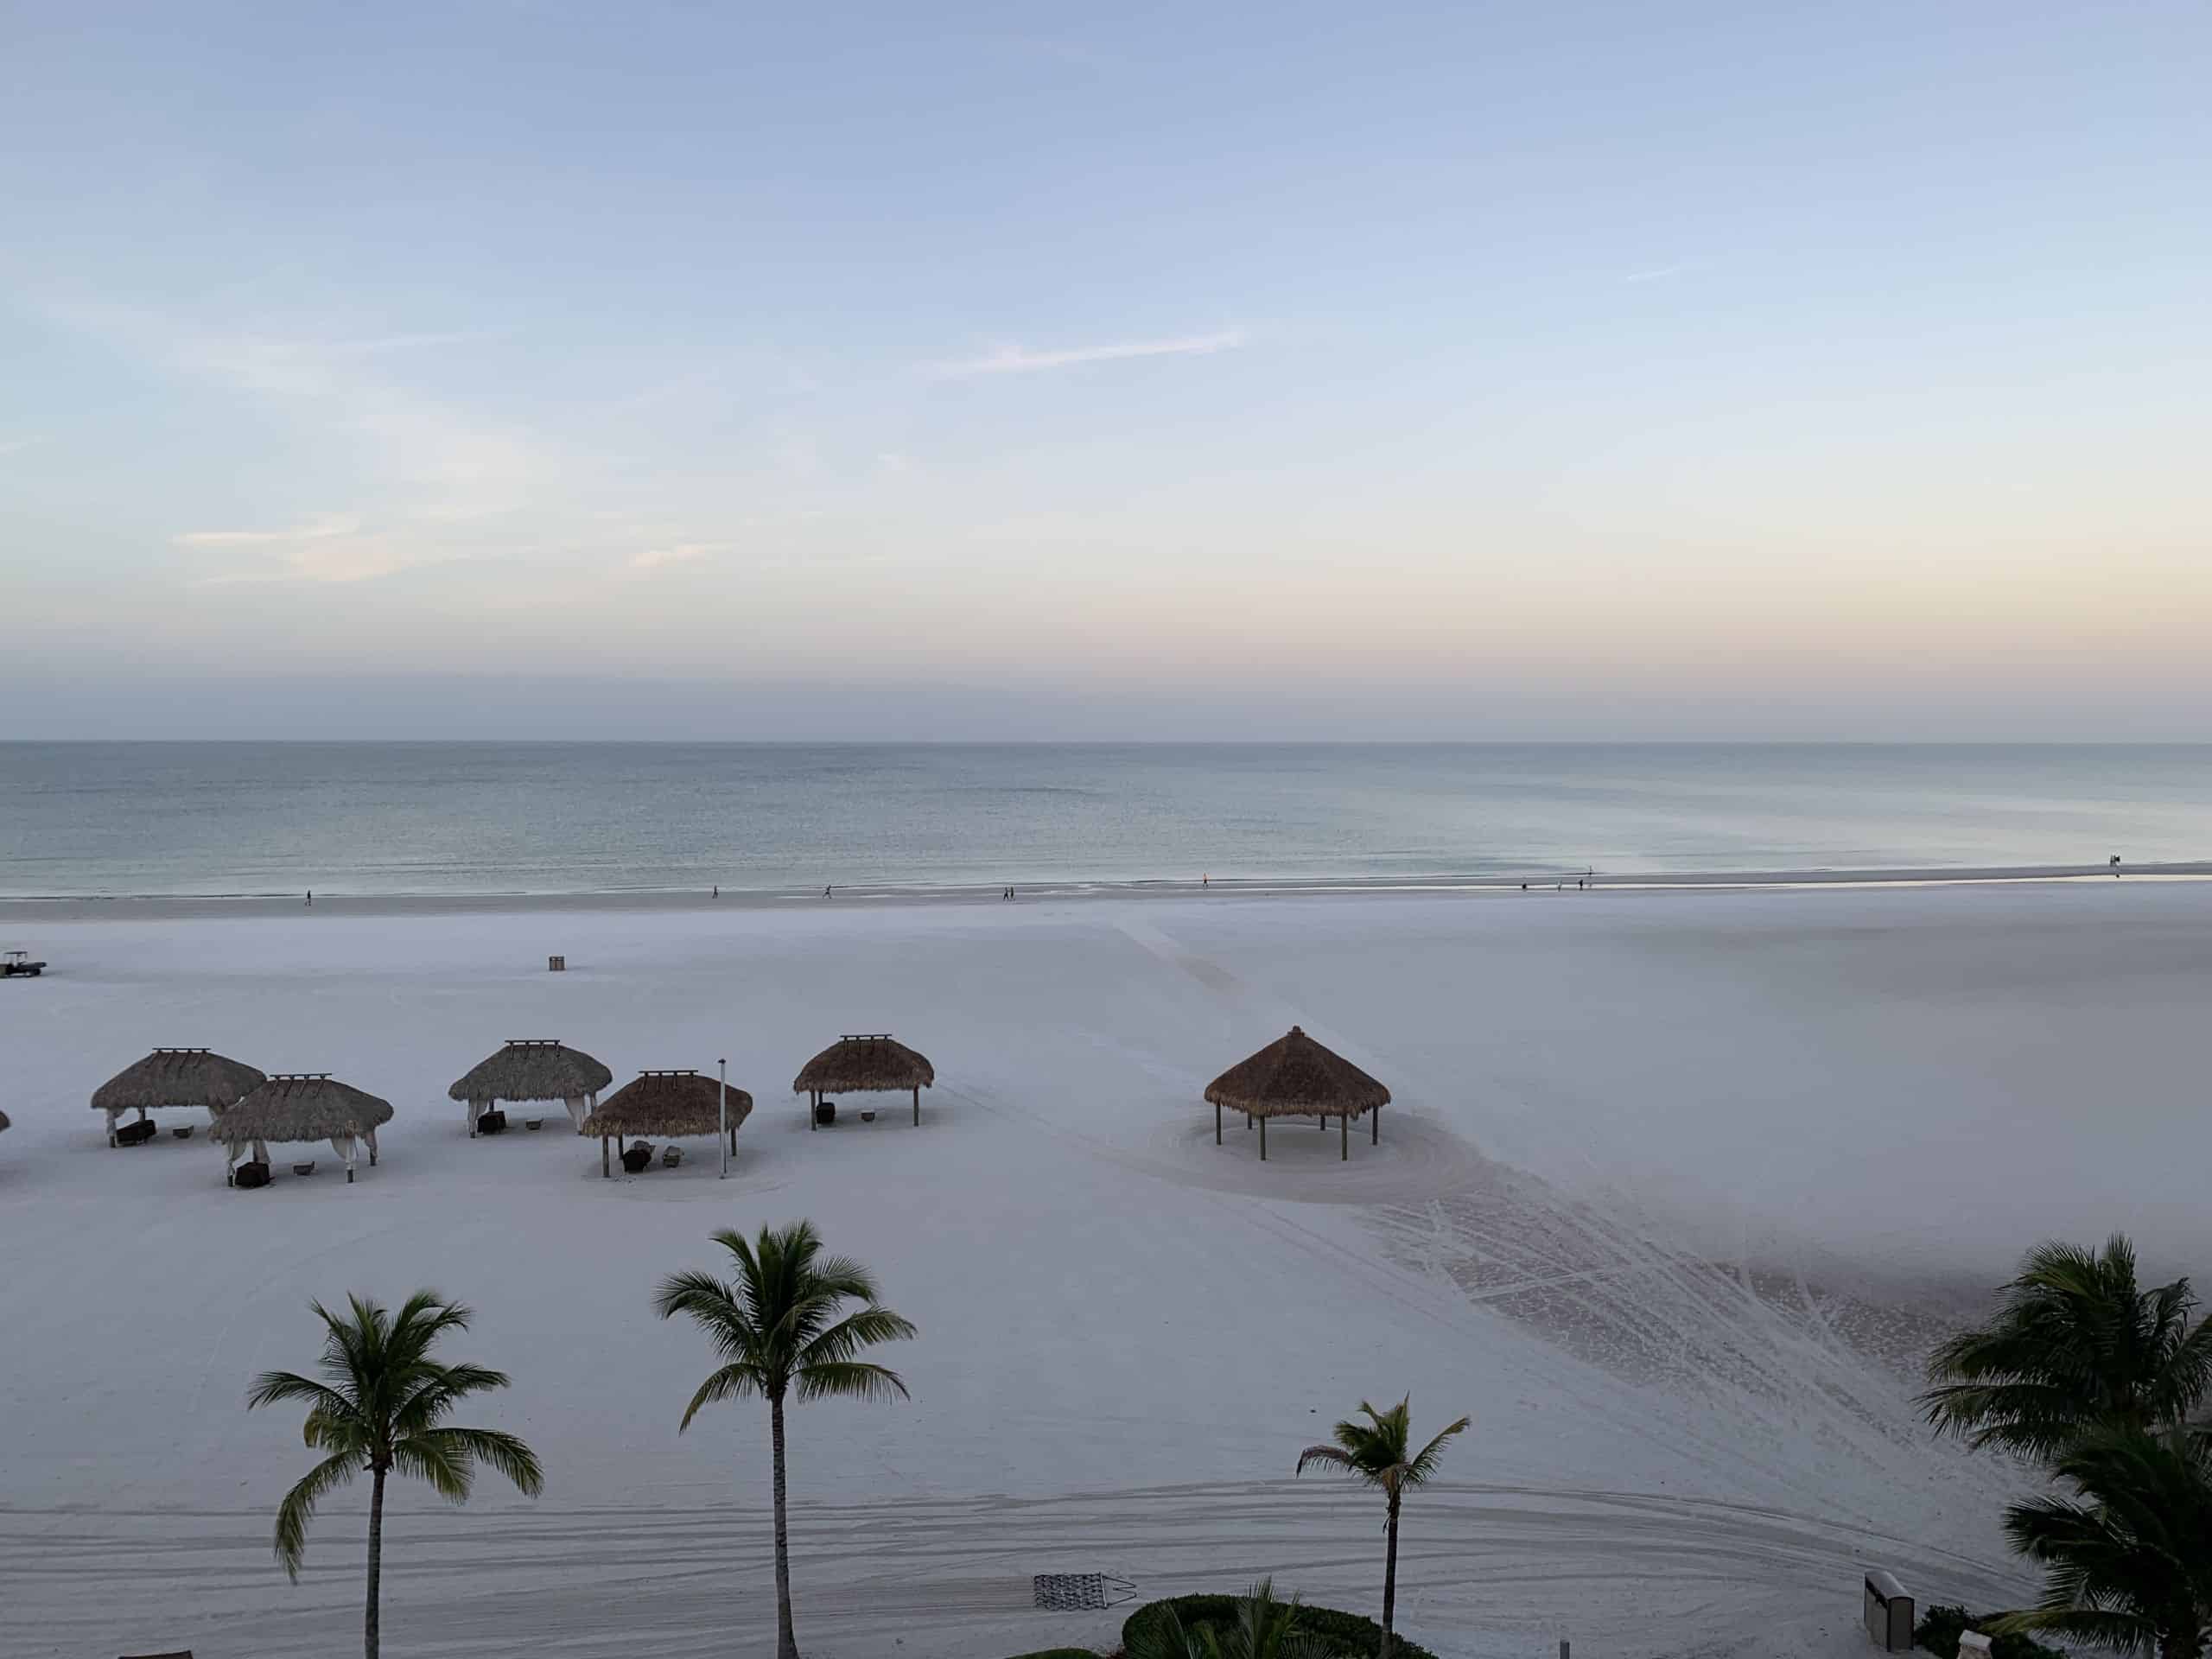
(533, 1068)
(671, 1104)
(868, 1063)
(172, 1078)
(1296, 1077)
(303, 1106)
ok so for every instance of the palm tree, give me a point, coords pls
(777, 1329)
(382, 1406)
(1263, 1628)
(1376, 1452)
(2130, 1567)
(2075, 1347)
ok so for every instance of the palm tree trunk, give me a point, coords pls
(1389, 1580)
(369, 1633)
(787, 1643)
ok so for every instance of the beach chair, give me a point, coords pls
(672, 1157)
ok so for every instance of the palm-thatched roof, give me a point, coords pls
(667, 1103)
(864, 1064)
(4, 1120)
(177, 1077)
(301, 1106)
(533, 1068)
(1294, 1076)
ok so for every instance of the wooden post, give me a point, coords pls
(814, 1101)
(1374, 1129)
(918, 1105)
(604, 1170)
(1263, 1140)
(1343, 1137)
(1216, 1122)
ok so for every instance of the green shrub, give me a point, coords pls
(1938, 1632)
(1352, 1637)
(1060, 1653)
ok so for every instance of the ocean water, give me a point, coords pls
(433, 818)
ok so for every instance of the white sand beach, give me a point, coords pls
(1676, 1186)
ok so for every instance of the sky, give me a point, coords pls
(1483, 371)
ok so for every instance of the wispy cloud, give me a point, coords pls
(12, 446)
(1660, 273)
(658, 558)
(320, 528)
(1015, 359)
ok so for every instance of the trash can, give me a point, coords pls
(557, 964)
(1889, 1612)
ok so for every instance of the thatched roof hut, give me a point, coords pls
(533, 1068)
(303, 1106)
(673, 1105)
(866, 1063)
(172, 1078)
(1296, 1077)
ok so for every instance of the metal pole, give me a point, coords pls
(721, 1100)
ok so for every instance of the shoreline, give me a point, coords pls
(72, 908)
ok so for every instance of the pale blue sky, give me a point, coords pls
(1698, 371)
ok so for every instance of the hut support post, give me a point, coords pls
(918, 1105)
(814, 1108)
(112, 1116)
(1216, 1122)
(604, 1170)
(1263, 1140)
(576, 1105)
(1375, 1129)
(1343, 1139)
(349, 1146)
(468, 1112)
(369, 1135)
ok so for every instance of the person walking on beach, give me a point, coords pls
(825, 891)
(311, 893)
(2115, 867)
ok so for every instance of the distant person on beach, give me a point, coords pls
(2115, 867)
(311, 892)
(1206, 880)
(825, 893)
(718, 890)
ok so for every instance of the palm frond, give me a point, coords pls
(1423, 1463)
(1331, 1456)
(504, 1454)
(275, 1388)
(856, 1330)
(849, 1379)
(732, 1382)
(297, 1510)
(437, 1462)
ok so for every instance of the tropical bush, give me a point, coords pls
(1938, 1632)
(1349, 1635)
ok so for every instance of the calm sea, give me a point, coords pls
(448, 818)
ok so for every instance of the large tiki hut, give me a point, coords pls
(303, 1106)
(1296, 1077)
(533, 1068)
(869, 1062)
(673, 1105)
(172, 1078)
